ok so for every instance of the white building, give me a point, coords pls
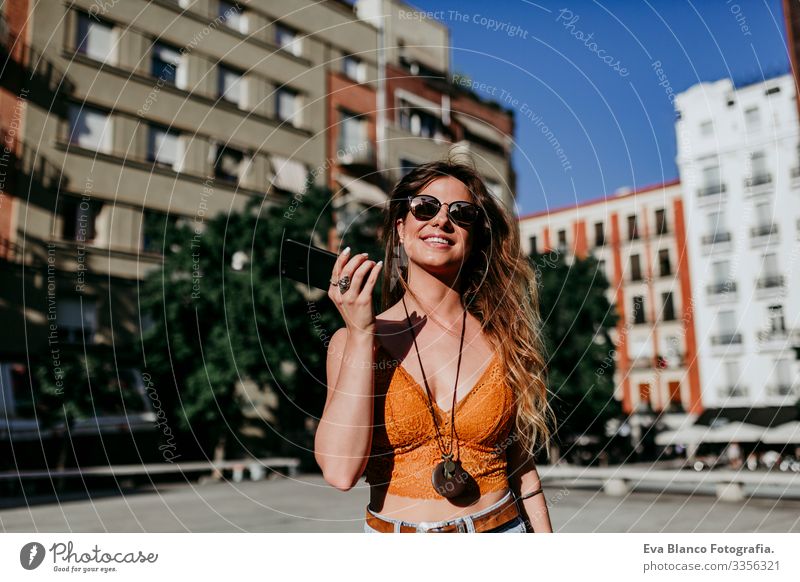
(738, 163)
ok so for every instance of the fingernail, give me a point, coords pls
(345, 251)
(379, 263)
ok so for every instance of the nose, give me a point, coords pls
(442, 214)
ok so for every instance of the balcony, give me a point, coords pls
(360, 154)
(726, 339)
(762, 234)
(783, 389)
(777, 339)
(794, 176)
(733, 391)
(769, 281)
(758, 184)
(721, 289)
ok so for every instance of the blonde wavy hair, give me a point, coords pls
(498, 286)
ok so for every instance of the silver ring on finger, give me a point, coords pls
(344, 283)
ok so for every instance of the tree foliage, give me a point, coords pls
(577, 318)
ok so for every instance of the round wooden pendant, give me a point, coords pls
(449, 478)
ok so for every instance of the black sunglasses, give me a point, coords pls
(425, 207)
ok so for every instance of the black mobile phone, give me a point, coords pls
(307, 264)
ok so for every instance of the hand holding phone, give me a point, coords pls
(354, 301)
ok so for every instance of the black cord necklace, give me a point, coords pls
(449, 478)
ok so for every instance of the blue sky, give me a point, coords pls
(613, 120)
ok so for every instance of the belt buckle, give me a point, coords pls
(426, 527)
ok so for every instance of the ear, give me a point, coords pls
(401, 227)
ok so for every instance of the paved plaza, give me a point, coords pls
(307, 504)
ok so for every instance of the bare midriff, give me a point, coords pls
(416, 510)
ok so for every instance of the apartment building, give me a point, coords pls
(639, 240)
(738, 160)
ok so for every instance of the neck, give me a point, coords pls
(435, 293)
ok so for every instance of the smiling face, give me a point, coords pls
(422, 239)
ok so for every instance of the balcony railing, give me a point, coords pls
(711, 189)
(763, 230)
(721, 288)
(717, 237)
(758, 180)
(725, 339)
(357, 154)
(769, 281)
(782, 389)
(732, 391)
(768, 335)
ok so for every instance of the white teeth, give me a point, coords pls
(437, 239)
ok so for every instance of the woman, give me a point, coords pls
(441, 398)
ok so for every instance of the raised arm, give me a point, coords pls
(344, 434)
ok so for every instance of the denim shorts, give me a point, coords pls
(516, 525)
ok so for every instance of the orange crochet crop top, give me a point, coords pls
(404, 448)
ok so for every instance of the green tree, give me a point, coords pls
(222, 314)
(577, 318)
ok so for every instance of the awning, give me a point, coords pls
(688, 435)
(288, 174)
(784, 434)
(361, 191)
(483, 130)
(733, 432)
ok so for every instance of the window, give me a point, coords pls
(352, 132)
(287, 39)
(758, 170)
(417, 121)
(636, 268)
(776, 320)
(76, 319)
(562, 240)
(599, 234)
(286, 106)
(661, 221)
(782, 377)
(716, 228)
(633, 232)
(231, 86)
(664, 266)
(89, 128)
(712, 181)
(726, 321)
(752, 118)
(156, 230)
(721, 271)
(638, 309)
(95, 39)
(354, 68)
(79, 217)
(707, 128)
(732, 379)
(166, 64)
(763, 214)
(534, 249)
(669, 306)
(232, 14)
(164, 147)
(228, 163)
